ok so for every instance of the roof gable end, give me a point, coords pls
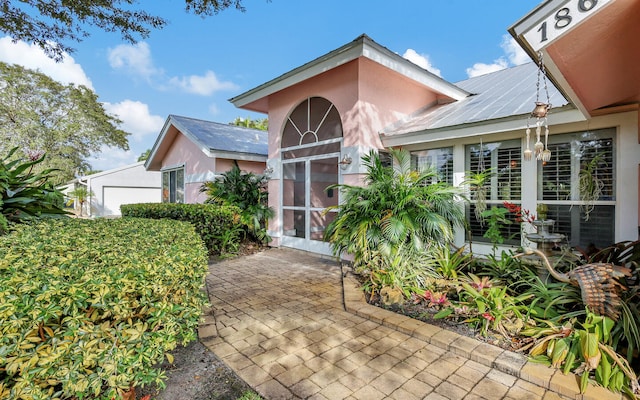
(210, 137)
(362, 46)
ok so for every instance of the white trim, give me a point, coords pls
(172, 167)
(235, 156)
(111, 171)
(363, 46)
(314, 144)
(514, 123)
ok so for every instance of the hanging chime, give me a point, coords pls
(540, 111)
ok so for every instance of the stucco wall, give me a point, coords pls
(199, 167)
(368, 97)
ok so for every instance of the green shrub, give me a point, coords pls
(218, 226)
(88, 307)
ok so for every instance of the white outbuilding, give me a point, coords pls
(110, 189)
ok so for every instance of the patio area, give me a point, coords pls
(281, 320)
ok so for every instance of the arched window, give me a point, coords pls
(312, 121)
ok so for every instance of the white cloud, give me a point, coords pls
(515, 54)
(421, 60)
(136, 118)
(480, 68)
(202, 85)
(134, 59)
(32, 57)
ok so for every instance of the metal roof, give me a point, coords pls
(501, 94)
(215, 136)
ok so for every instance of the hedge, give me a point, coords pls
(218, 226)
(89, 307)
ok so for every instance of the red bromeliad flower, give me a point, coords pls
(488, 316)
(432, 299)
(522, 215)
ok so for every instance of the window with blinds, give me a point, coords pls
(439, 159)
(503, 161)
(558, 186)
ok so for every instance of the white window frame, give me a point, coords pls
(175, 193)
(573, 201)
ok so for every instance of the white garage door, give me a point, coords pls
(115, 196)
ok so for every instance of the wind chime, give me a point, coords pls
(541, 150)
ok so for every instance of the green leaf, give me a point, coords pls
(445, 312)
(584, 381)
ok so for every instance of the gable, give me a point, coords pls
(209, 138)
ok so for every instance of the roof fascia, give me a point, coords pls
(230, 155)
(112, 171)
(361, 47)
(154, 150)
(165, 129)
(528, 22)
(566, 114)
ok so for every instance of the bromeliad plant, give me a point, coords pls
(24, 193)
(449, 263)
(492, 308)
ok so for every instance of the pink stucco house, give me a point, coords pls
(327, 113)
(189, 152)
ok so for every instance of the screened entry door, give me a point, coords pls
(305, 198)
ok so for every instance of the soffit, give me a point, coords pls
(595, 63)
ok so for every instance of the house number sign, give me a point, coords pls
(561, 20)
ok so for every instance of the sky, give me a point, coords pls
(194, 65)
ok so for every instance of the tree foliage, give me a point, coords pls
(51, 24)
(145, 155)
(67, 122)
(260, 123)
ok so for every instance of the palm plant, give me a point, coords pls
(82, 194)
(246, 191)
(397, 206)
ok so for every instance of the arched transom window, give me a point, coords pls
(312, 121)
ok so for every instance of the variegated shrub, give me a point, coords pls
(87, 308)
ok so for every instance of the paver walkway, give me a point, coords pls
(278, 320)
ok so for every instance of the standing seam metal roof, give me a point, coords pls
(223, 137)
(505, 93)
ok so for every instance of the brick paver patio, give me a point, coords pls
(281, 321)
